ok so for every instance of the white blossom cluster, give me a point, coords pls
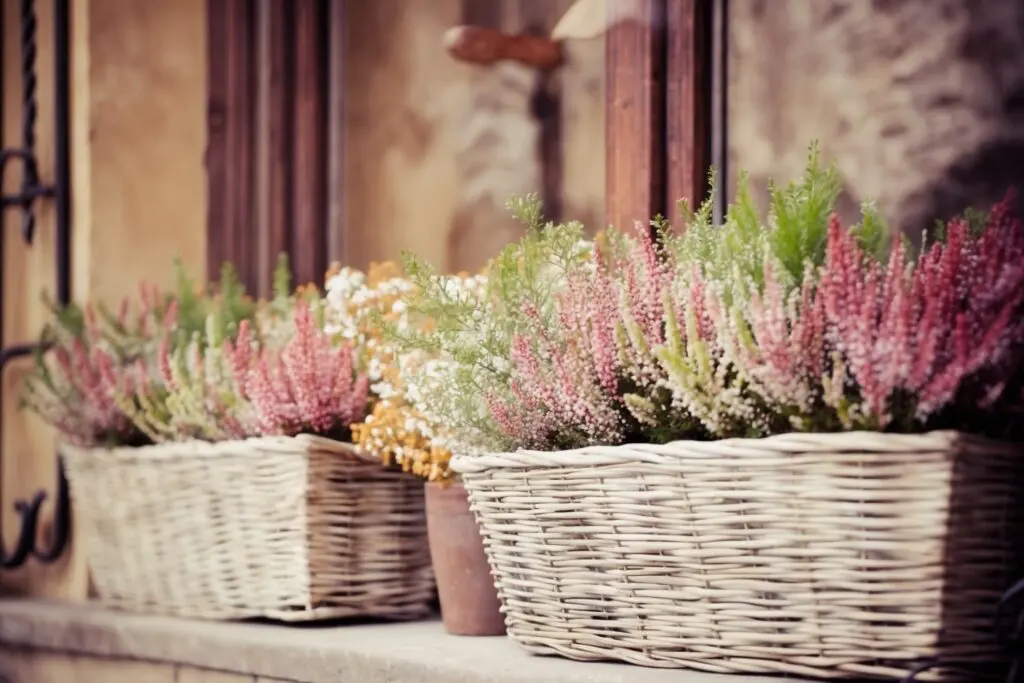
(434, 383)
(421, 378)
(351, 301)
(460, 360)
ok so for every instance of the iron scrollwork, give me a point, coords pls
(33, 190)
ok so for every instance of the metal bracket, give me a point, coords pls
(32, 189)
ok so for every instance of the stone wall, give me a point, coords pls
(28, 666)
(920, 102)
(52, 642)
(434, 148)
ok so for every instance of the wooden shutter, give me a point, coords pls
(658, 106)
(267, 157)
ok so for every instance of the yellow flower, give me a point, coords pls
(394, 431)
(380, 271)
(385, 435)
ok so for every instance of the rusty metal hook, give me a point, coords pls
(486, 46)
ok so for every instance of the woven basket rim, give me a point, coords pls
(805, 443)
(299, 444)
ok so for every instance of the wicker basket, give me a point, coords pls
(823, 555)
(292, 529)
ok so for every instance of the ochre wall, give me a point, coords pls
(433, 148)
(138, 140)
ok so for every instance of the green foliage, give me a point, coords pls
(68, 319)
(146, 410)
(976, 219)
(208, 315)
(192, 302)
(474, 328)
(873, 233)
(523, 275)
(282, 278)
(793, 234)
(798, 221)
(225, 300)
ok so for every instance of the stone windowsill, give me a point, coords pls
(394, 653)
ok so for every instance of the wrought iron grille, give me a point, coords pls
(33, 190)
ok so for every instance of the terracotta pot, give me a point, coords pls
(469, 600)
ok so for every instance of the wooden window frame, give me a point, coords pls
(270, 111)
(659, 109)
(269, 116)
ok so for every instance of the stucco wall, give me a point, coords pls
(138, 187)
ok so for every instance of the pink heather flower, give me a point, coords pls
(164, 363)
(170, 317)
(571, 374)
(786, 360)
(239, 353)
(555, 398)
(122, 312)
(648, 282)
(946, 327)
(85, 409)
(92, 326)
(275, 414)
(308, 386)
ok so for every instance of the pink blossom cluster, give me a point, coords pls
(931, 331)
(903, 344)
(642, 344)
(308, 385)
(780, 350)
(131, 379)
(84, 370)
(572, 370)
(560, 392)
(284, 385)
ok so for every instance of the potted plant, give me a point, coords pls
(371, 308)
(243, 496)
(773, 446)
(85, 349)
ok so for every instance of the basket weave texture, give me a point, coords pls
(287, 528)
(825, 555)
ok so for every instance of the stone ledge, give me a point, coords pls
(377, 653)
